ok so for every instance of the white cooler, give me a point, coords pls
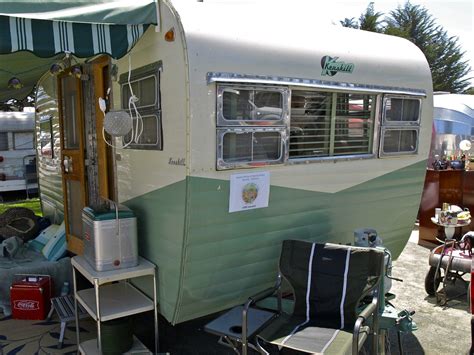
(110, 238)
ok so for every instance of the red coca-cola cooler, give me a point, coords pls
(30, 296)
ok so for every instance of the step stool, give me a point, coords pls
(64, 307)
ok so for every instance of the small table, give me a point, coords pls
(450, 228)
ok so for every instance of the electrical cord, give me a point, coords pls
(136, 130)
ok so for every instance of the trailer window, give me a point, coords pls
(3, 140)
(399, 140)
(239, 105)
(46, 136)
(145, 84)
(400, 126)
(325, 124)
(251, 125)
(23, 140)
(401, 110)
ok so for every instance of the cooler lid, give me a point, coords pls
(107, 214)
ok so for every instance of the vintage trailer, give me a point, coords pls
(453, 121)
(17, 154)
(250, 136)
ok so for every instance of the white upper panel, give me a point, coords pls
(285, 40)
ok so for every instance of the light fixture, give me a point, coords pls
(76, 71)
(56, 68)
(15, 83)
(169, 36)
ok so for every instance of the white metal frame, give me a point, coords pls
(94, 299)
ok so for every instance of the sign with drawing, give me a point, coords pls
(249, 191)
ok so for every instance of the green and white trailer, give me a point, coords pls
(256, 129)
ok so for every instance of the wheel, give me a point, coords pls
(432, 283)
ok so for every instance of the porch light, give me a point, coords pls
(15, 83)
(169, 36)
(76, 71)
(56, 68)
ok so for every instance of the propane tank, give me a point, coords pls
(368, 237)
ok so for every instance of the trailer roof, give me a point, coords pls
(285, 40)
(17, 121)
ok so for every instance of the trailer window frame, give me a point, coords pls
(138, 76)
(400, 126)
(332, 138)
(254, 161)
(254, 126)
(252, 118)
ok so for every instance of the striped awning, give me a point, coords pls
(48, 28)
(45, 38)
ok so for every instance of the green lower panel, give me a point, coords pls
(160, 224)
(221, 258)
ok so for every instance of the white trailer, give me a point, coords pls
(332, 125)
(17, 153)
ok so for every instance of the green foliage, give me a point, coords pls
(444, 54)
(33, 204)
(371, 20)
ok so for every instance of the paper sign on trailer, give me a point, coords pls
(249, 191)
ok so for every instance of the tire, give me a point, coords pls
(431, 285)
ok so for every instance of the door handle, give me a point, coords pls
(67, 163)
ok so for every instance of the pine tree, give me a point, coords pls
(413, 22)
(371, 20)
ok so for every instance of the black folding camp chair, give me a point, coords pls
(330, 283)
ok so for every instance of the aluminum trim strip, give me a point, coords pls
(213, 77)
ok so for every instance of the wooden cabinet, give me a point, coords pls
(455, 187)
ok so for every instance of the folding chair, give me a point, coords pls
(329, 282)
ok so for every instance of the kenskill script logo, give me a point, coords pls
(331, 66)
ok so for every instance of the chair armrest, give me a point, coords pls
(369, 311)
(263, 294)
(251, 300)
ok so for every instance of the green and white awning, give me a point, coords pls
(46, 38)
(48, 28)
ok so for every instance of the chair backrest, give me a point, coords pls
(329, 280)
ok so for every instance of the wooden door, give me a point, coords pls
(72, 158)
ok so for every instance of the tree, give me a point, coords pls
(371, 20)
(445, 57)
(368, 21)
